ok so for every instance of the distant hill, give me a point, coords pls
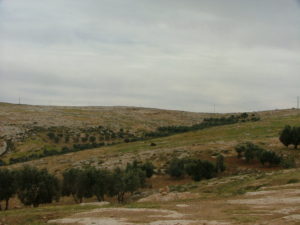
(16, 118)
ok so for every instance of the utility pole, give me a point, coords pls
(298, 100)
(214, 108)
(19, 100)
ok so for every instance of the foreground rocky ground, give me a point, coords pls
(275, 205)
(220, 201)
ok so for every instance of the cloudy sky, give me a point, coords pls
(240, 55)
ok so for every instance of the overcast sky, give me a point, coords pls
(241, 55)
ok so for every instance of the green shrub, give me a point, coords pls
(195, 168)
(252, 152)
(176, 168)
(148, 167)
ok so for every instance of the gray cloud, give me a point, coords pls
(240, 55)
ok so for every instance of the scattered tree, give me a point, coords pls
(36, 186)
(286, 136)
(7, 186)
(72, 184)
(290, 136)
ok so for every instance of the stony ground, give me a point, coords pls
(278, 205)
(226, 200)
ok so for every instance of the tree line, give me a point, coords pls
(85, 183)
(35, 186)
(45, 152)
(206, 123)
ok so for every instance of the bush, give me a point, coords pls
(148, 167)
(270, 157)
(195, 168)
(251, 152)
(290, 136)
(199, 170)
(176, 168)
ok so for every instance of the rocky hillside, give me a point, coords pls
(17, 118)
(27, 126)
